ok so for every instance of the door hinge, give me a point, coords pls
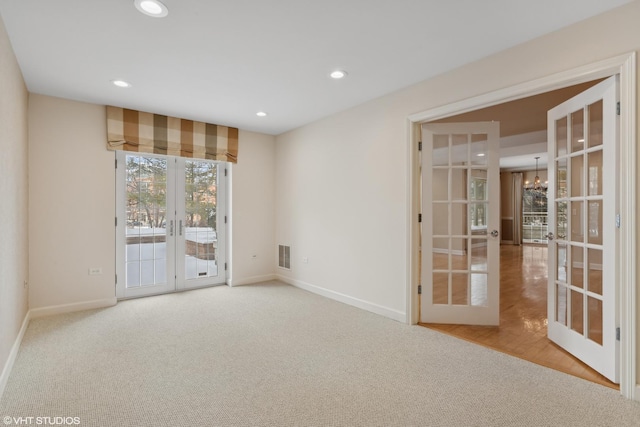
(116, 279)
(419, 217)
(618, 108)
(225, 171)
(116, 163)
(225, 219)
(617, 334)
(225, 266)
(618, 221)
(419, 289)
(419, 145)
(116, 221)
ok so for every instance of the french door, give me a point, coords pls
(582, 293)
(460, 222)
(170, 224)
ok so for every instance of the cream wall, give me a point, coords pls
(343, 196)
(253, 211)
(72, 205)
(13, 201)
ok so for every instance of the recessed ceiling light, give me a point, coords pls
(480, 154)
(121, 83)
(261, 114)
(153, 8)
(338, 74)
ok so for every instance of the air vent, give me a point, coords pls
(284, 257)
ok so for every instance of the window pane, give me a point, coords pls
(577, 266)
(440, 152)
(595, 124)
(577, 131)
(577, 312)
(479, 290)
(459, 289)
(561, 137)
(440, 288)
(479, 149)
(440, 184)
(460, 149)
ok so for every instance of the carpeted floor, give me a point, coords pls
(274, 355)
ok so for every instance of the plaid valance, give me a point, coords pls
(132, 130)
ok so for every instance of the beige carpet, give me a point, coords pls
(274, 355)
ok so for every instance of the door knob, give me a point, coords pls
(549, 236)
(494, 233)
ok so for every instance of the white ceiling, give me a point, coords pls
(222, 61)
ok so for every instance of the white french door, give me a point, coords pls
(170, 224)
(460, 222)
(582, 293)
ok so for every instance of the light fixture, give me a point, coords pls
(536, 186)
(153, 8)
(261, 114)
(480, 154)
(338, 74)
(121, 83)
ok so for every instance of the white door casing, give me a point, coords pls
(460, 223)
(582, 198)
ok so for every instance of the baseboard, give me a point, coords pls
(69, 308)
(6, 371)
(252, 280)
(346, 299)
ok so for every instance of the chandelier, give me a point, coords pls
(536, 186)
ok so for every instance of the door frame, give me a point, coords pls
(625, 66)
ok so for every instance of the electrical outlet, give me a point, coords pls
(305, 260)
(95, 271)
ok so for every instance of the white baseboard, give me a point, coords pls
(399, 316)
(69, 308)
(6, 371)
(252, 280)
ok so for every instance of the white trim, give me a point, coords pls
(625, 65)
(8, 366)
(447, 251)
(627, 237)
(69, 308)
(346, 299)
(253, 279)
(636, 396)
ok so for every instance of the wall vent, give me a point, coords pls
(284, 257)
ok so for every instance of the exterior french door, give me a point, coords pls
(170, 224)
(460, 222)
(582, 291)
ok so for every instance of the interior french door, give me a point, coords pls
(582, 293)
(170, 224)
(460, 222)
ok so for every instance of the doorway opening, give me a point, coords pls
(170, 224)
(625, 268)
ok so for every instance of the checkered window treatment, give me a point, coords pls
(132, 130)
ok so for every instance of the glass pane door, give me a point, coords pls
(460, 249)
(170, 231)
(582, 208)
(145, 246)
(201, 224)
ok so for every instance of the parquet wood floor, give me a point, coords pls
(523, 316)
